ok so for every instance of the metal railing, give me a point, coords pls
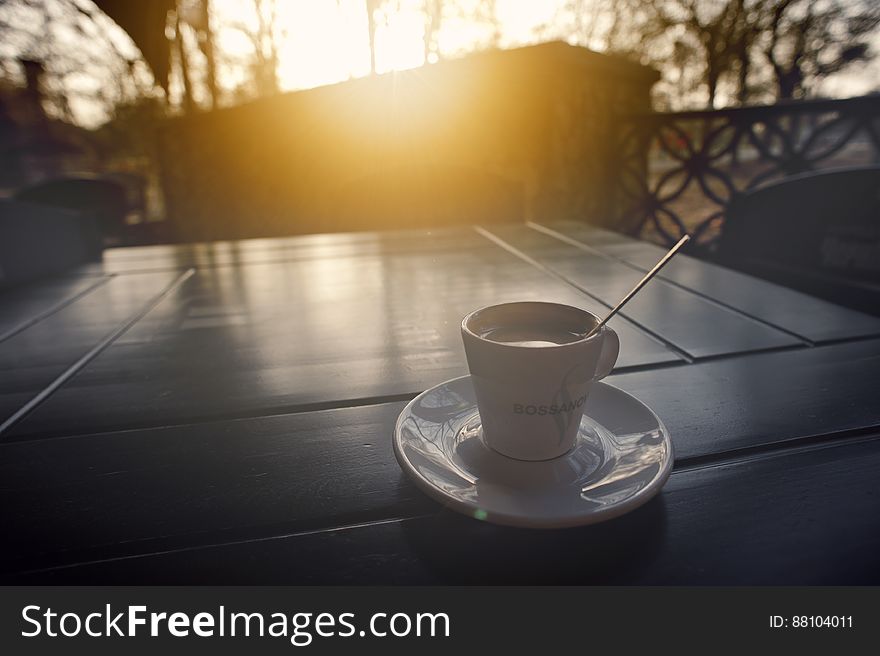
(677, 172)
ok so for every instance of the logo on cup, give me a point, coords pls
(526, 409)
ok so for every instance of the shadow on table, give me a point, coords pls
(459, 550)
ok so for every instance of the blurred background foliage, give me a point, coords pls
(185, 55)
(85, 86)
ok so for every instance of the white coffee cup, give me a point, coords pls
(532, 368)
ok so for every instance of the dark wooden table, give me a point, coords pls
(222, 413)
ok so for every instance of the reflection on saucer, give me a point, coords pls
(621, 458)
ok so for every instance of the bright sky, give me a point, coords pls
(325, 41)
(320, 42)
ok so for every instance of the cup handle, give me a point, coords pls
(610, 351)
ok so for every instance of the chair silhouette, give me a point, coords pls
(38, 241)
(103, 200)
(816, 232)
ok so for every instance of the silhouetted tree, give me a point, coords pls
(806, 41)
(372, 6)
(793, 43)
(716, 28)
(433, 11)
(183, 59)
(197, 16)
(583, 20)
(266, 47)
(72, 39)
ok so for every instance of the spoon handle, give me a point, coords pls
(642, 282)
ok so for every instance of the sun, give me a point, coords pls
(399, 39)
(326, 41)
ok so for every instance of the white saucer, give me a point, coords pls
(622, 458)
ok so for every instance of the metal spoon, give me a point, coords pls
(642, 282)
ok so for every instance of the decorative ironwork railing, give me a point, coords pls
(677, 172)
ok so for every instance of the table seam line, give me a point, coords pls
(214, 545)
(92, 353)
(284, 410)
(840, 439)
(365, 402)
(791, 446)
(261, 413)
(592, 249)
(537, 227)
(57, 307)
(501, 243)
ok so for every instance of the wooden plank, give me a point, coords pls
(30, 360)
(807, 316)
(288, 249)
(238, 341)
(740, 402)
(691, 323)
(113, 494)
(183, 485)
(797, 518)
(21, 307)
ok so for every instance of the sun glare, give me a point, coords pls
(326, 41)
(399, 39)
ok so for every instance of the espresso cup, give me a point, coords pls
(532, 368)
